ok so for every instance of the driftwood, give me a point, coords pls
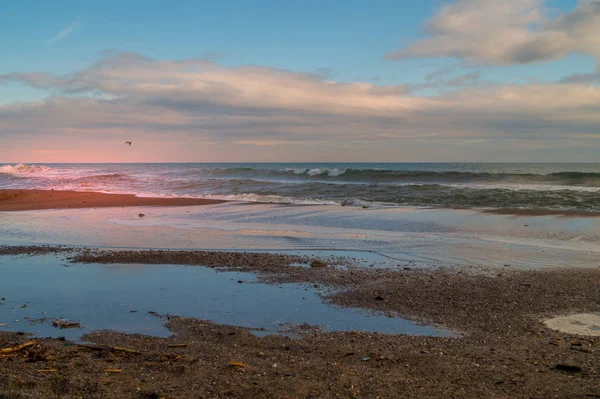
(107, 348)
(9, 351)
(237, 365)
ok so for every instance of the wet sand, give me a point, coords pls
(503, 348)
(23, 200)
(541, 212)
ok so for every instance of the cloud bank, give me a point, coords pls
(126, 94)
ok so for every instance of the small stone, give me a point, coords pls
(568, 368)
(141, 215)
(61, 323)
(379, 298)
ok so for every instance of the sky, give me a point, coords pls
(310, 81)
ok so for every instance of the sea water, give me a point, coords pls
(573, 187)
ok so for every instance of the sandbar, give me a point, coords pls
(28, 200)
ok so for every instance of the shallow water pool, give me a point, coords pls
(120, 297)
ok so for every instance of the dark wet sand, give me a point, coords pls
(503, 350)
(27, 200)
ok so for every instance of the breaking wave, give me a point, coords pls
(381, 175)
(24, 169)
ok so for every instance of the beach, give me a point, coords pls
(219, 299)
(300, 200)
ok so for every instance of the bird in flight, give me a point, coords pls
(128, 142)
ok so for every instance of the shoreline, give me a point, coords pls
(30, 200)
(12, 200)
(505, 351)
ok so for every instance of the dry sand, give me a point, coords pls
(26, 200)
(577, 324)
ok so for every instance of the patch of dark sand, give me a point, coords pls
(509, 304)
(268, 263)
(320, 365)
(33, 250)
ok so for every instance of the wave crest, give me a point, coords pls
(20, 169)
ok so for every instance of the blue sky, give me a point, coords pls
(348, 41)
(349, 38)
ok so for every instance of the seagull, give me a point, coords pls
(128, 142)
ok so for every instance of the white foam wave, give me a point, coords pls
(24, 169)
(250, 197)
(331, 172)
(335, 172)
(295, 171)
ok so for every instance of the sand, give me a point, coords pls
(502, 349)
(24, 200)
(577, 324)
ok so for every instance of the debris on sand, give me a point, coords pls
(62, 323)
(14, 349)
(95, 347)
(318, 263)
(569, 368)
(237, 365)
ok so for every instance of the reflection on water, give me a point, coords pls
(395, 235)
(119, 297)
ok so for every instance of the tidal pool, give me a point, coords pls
(40, 289)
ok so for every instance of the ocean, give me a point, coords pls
(552, 186)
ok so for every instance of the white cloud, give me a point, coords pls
(503, 32)
(63, 33)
